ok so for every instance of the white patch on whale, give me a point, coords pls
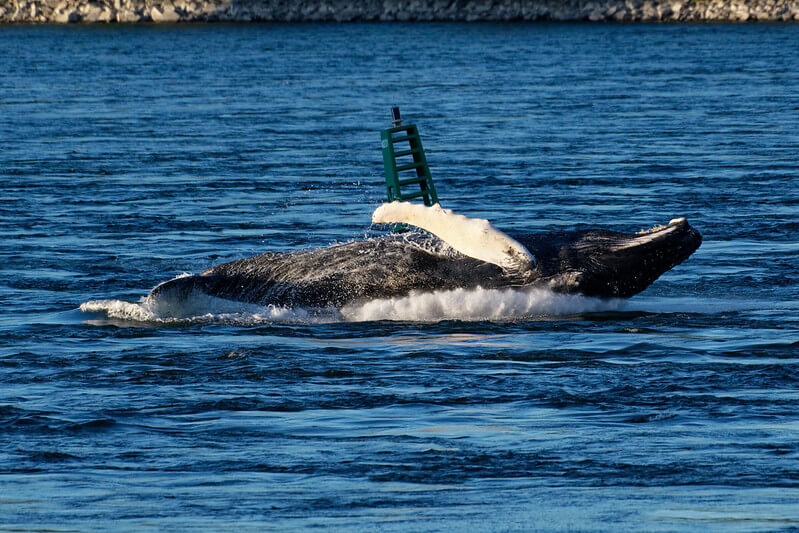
(474, 237)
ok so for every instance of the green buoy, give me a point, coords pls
(405, 164)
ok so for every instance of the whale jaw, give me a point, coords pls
(608, 264)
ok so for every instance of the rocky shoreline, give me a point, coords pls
(172, 11)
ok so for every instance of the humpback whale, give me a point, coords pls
(453, 252)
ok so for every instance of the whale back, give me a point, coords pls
(385, 266)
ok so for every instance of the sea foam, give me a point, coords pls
(477, 304)
(460, 304)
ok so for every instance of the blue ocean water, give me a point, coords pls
(131, 155)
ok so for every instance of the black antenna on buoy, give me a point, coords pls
(396, 119)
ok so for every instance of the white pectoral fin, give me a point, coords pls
(470, 236)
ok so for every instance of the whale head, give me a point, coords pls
(609, 264)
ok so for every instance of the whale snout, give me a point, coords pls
(633, 262)
(609, 264)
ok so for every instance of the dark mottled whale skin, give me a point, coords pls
(596, 263)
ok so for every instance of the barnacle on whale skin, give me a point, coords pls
(653, 229)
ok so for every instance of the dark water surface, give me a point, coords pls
(133, 154)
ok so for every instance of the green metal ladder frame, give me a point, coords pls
(394, 181)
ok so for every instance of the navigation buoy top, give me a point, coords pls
(404, 163)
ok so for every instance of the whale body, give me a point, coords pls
(598, 263)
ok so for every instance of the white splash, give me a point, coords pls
(460, 304)
(477, 304)
(474, 237)
(200, 307)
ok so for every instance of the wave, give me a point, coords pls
(460, 304)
